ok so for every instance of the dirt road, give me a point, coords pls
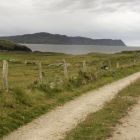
(54, 125)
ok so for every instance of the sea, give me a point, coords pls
(80, 49)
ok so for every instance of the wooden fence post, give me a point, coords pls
(66, 70)
(84, 66)
(134, 62)
(110, 65)
(117, 65)
(5, 75)
(40, 78)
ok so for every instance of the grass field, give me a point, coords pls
(27, 99)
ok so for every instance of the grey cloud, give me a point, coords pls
(90, 5)
(133, 5)
(66, 5)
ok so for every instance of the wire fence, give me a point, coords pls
(25, 73)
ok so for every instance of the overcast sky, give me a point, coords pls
(116, 19)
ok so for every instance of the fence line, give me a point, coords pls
(107, 67)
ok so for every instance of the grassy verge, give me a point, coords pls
(25, 106)
(99, 125)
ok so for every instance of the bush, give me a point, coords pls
(22, 97)
(81, 79)
(50, 89)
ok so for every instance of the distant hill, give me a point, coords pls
(11, 46)
(47, 38)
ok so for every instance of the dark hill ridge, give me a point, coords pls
(47, 38)
(11, 46)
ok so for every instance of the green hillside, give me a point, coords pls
(6, 45)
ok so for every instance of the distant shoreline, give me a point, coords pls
(79, 49)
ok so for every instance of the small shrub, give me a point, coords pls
(7, 101)
(22, 97)
(50, 89)
(82, 78)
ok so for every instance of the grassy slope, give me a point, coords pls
(11, 46)
(99, 125)
(25, 102)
